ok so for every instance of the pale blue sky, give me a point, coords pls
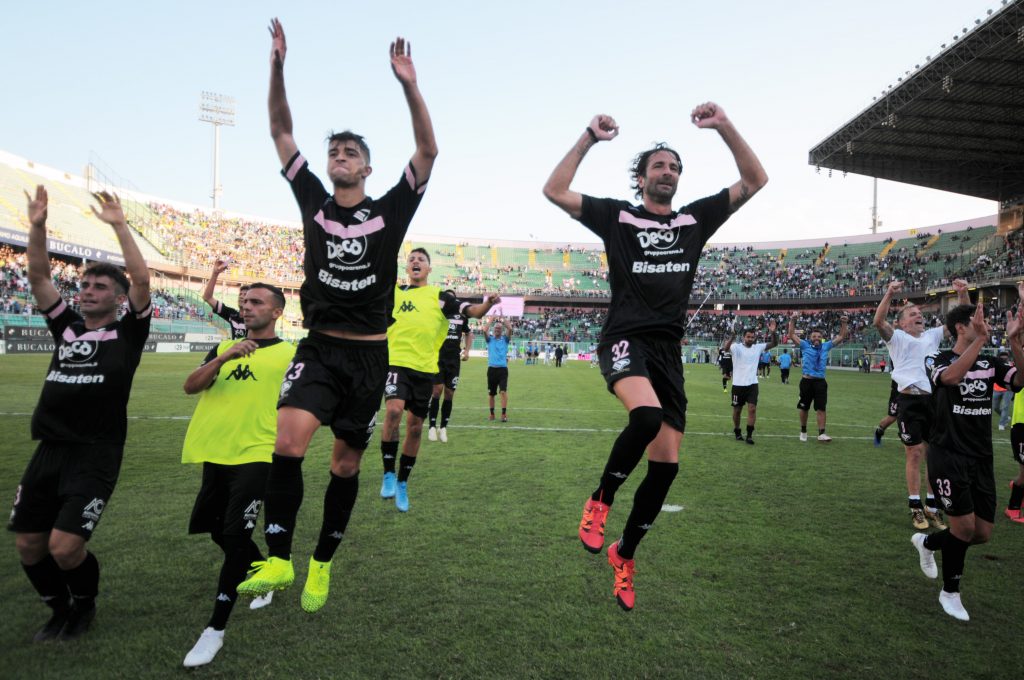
(509, 86)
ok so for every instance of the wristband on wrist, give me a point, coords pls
(593, 135)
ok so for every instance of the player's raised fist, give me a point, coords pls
(708, 115)
(604, 127)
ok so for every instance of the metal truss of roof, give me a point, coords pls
(956, 123)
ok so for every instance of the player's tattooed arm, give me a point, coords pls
(277, 101)
(752, 175)
(39, 277)
(879, 322)
(556, 189)
(773, 335)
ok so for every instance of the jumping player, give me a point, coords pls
(653, 252)
(909, 345)
(449, 366)
(421, 314)
(745, 357)
(813, 362)
(337, 376)
(80, 421)
(890, 417)
(232, 434)
(235, 321)
(960, 466)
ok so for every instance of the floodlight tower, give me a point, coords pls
(217, 109)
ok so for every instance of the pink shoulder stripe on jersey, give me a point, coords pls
(96, 336)
(1009, 375)
(411, 179)
(626, 217)
(339, 229)
(58, 310)
(980, 375)
(294, 168)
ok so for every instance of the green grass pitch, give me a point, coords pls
(786, 560)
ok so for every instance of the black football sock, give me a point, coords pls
(628, 449)
(388, 453)
(930, 503)
(936, 541)
(803, 428)
(1016, 494)
(953, 554)
(48, 580)
(503, 410)
(725, 382)
(446, 412)
(339, 499)
(492, 410)
(879, 432)
(405, 464)
(821, 431)
(914, 502)
(433, 408)
(647, 502)
(232, 572)
(84, 582)
(283, 499)
(750, 431)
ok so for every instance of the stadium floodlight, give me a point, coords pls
(218, 110)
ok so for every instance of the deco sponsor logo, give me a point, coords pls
(77, 352)
(661, 239)
(348, 251)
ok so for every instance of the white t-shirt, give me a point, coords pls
(744, 363)
(908, 354)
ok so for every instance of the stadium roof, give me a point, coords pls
(955, 123)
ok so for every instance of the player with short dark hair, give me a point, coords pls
(745, 390)
(81, 419)
(232, 433)
(890, 416)
(813, 363)
(785, 364)
(337, 376)
(236, 323)
(653, 253)
(960, 465)
(497, 364)
(909, 345)
(725, 365)
(421, 314)
(449, 366)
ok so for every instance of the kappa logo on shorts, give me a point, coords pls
(373, 424)
(89, 526)
(94, 509)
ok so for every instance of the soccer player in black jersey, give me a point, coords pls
(337, 377)
(80, 420)
(960, 448)
(229, 314)
(652, 258)
(453, 352)
(725, 364)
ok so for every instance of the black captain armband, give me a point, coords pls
(593, 135)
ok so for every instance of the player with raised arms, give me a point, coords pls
(653, 252)
(337, 377)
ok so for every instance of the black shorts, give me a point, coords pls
(66, 487)
(497, 379)
(745, 394)
(449, 365)
(894, 394)
(726, 367)
(914, 415)
(812, 390)
(412, 387)
(341, 382)
(785, 373)
(652, 358)
(229, 499)
(963, 484)
(1017, 442)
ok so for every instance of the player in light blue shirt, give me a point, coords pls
(497, 365)
(785, 363)
(813, 388)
